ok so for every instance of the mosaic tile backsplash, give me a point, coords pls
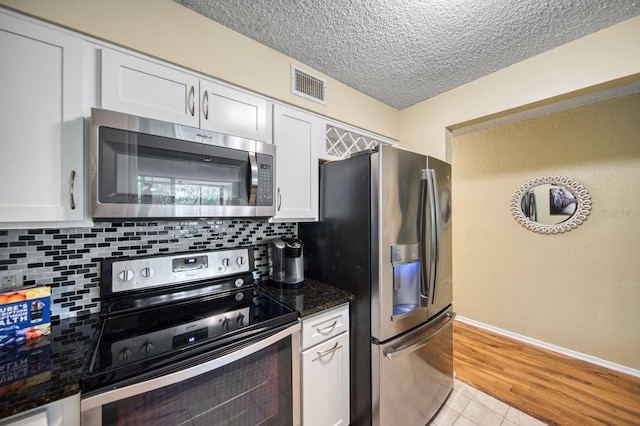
(68, 259)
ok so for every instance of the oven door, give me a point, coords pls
(255, 384)
(148, 168)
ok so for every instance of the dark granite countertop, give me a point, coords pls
(60, 357)
(53, 363)
(312, 297)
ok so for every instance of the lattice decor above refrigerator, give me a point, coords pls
(341, 143)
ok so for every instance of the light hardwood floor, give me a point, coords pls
(554, 388)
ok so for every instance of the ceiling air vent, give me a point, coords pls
(307, 85)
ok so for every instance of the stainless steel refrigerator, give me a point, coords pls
(385, 235)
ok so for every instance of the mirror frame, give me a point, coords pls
(579, 216)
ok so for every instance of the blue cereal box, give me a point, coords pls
(24, 315)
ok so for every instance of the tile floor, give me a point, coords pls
(468, 406)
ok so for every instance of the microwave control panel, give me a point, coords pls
(265, 180)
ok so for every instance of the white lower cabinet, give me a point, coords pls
(325, 368)
(64, 412)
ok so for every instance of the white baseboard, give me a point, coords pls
(559, 349)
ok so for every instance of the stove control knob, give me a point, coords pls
(125, 354)
(226, 262)
(226, 324)
(241, 260)
(241, 321)
(239, 282)
(147, 272)
(147, 347)
(126, 275)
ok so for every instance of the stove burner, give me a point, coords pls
(143, 332)
(172, 337)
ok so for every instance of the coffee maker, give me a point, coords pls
(286, 264)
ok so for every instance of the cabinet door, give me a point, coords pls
(41, 124)
(325, 383)
(234, 112)
(60, 412)
(295, 134)
(140, 87)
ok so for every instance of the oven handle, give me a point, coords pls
(179, 376)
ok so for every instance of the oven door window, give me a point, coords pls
(136, 168)
(256, 389)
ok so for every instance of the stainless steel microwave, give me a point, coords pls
(144, 168)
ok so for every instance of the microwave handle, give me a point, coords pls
(253, 182)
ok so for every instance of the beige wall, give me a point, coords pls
(599, 58)
(171, 32)
(168, 31)
(578, 290)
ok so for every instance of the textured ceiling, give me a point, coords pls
(404, 51)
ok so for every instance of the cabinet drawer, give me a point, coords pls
(320, 327)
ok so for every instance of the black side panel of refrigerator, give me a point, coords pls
(337, 251)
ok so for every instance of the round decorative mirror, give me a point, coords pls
(551, 204)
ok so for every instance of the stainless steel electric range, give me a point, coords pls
(189, 339)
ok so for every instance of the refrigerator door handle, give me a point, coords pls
(422, 223)
(435, 232)
(396, 352)
(428, 227)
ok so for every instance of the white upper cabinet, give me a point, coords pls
(41, 125)
(296, 134)
(234, 112)
(140, 87)
(147, 88)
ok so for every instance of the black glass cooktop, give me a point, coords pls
(139, 345)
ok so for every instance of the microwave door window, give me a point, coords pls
(151, 170)
(126, 174)
(118, 167)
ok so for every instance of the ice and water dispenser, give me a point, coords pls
(405, 259)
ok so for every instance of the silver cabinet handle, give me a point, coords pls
(279, 199)
(72, 180)
(192, 101)
(329, 328)
(205, 104)
(328, 351)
